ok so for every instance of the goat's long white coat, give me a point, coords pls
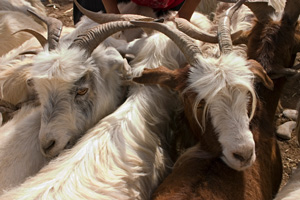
(19, 150)
(124, 155)
(23, 132)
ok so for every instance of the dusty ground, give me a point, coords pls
(62, 10)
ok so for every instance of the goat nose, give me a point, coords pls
(243, 156)
(48, 146)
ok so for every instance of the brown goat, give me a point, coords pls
(198, 174)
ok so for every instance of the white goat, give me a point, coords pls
(76, 87)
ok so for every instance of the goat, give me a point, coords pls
(125, 155)
(199, 175)
(214, 96)
(15, 82)
(77, 85)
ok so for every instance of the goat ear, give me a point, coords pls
(161, 76)
(261, 74)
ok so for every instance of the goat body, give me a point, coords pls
(124, 156)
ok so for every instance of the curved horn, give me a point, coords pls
(260, 8)
(42, 40)
(193, 31)
(225, 41)
(184, 42)
(102, 18)
(93, 37)
(54, 27)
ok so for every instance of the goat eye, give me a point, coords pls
(82, 91)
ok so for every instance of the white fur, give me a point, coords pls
(207, 6)
(55, 73)
(278, 5)
(19, 151)
(291, 191)
(224, 85)
(125, 155)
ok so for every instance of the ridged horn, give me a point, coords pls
(193, 31)
(260, 8)
(54, 27)
(185, 43)
(42, 40)
(93, 37)
(224, 36)
(102, 18)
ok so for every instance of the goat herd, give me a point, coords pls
(130, 106)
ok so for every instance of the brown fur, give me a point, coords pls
(193, 177)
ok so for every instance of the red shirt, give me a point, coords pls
(158, 4)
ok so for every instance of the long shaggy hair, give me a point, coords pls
(123, 157)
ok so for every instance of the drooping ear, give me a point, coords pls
(159, 76)
(261, 74)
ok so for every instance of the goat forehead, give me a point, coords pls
(46, 88)
(63, 65)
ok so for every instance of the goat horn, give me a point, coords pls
(102, 18)
(260, 8)
(42, 40)
(184, 42)
(54, 27)
(193, 31)
(225, 41)
(93, 37)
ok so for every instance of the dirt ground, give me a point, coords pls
(63, 10)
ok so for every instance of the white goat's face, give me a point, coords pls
(227, 90)
(229, 114)
(74, 97)
(67, 112)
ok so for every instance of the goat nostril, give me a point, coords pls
(239, 157)
(68, 145)
(49, 146)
